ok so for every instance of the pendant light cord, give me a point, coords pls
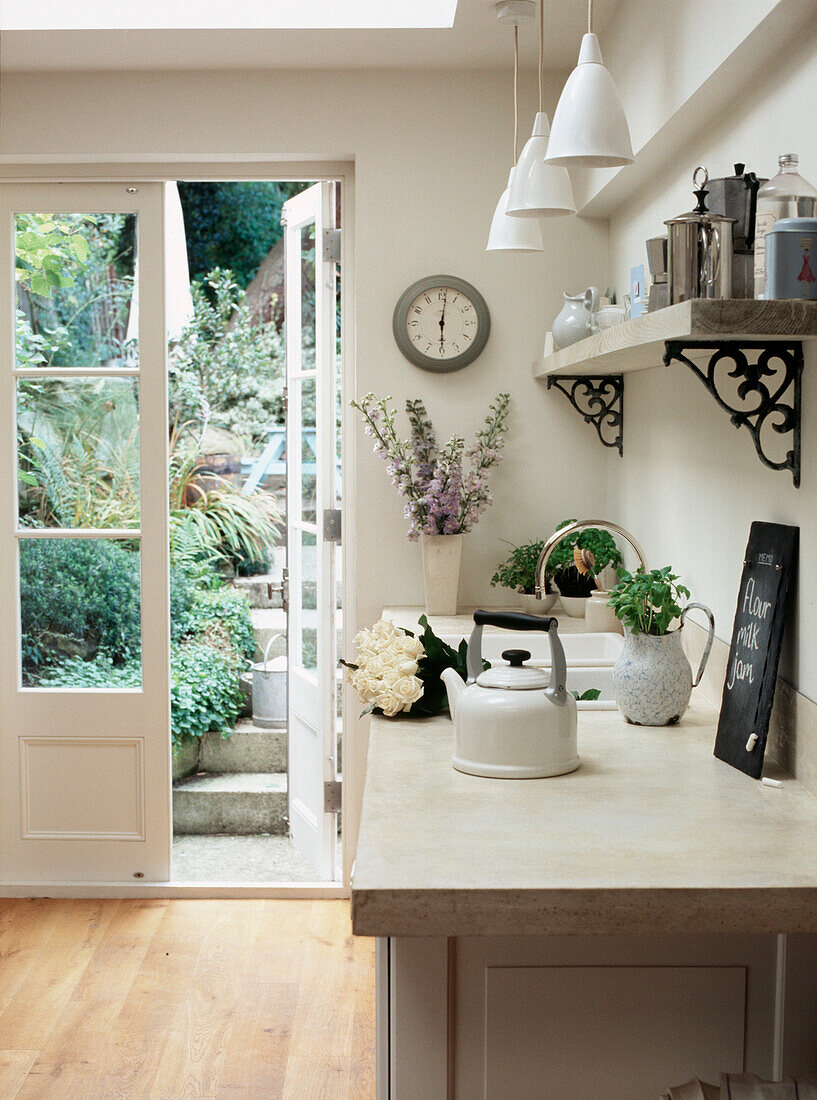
(515, 91)
(541, 55)
(589, 16)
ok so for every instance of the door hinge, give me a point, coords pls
(332, 525)
(332, 796)
(331, 245)
(285, 590)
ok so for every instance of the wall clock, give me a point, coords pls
(441, 323)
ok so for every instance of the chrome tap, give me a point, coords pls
(568, 529)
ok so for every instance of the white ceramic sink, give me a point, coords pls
(590, 658)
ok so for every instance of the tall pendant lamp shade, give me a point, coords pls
(589, 127)
(539, 190)
(513, 234)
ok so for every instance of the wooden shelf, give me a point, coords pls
(640, 344)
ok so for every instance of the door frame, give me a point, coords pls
(56, 169)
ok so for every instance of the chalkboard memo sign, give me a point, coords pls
(751, 673)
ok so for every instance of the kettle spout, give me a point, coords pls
(454, 686)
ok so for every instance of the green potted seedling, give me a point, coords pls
(518, 573)
(578, 563)
(652, 679)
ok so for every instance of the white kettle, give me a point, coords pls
(512, 721)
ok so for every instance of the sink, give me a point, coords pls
(590, 658)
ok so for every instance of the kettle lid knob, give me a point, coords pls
(516, 657)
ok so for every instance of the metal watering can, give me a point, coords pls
(269, 690)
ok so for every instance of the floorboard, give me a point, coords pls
(159, 1000)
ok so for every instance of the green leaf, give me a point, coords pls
(79, 246)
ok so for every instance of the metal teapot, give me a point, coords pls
(699, 254)
(512, 721)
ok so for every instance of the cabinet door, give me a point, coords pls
(621, 1032)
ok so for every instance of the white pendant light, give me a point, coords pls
(513, 234)
(589, 127)
(540, 190)
(518, 234)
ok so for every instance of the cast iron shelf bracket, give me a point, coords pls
(765, 394)
(599, 400)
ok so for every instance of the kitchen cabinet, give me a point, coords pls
(613, 931)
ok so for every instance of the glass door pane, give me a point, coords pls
(77, 291)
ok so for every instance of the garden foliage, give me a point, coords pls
(81, 628)
(224, 368)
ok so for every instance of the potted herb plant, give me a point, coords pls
(575, 584)
(518, 572)
(652, 679)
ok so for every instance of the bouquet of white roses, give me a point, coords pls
(398, 672)
(385, 676)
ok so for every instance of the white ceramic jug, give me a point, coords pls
(652, 679)
(575, 320)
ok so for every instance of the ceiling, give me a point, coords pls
(476, 41)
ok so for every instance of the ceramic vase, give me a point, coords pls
(652, 679)
(598, 617)
(441, 572)
(574, 606)
(531, 606)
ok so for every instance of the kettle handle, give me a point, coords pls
(518, 620)
(709, 640)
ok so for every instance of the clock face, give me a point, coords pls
(441, 323)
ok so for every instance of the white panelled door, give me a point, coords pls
(312, 495)
(85, 783)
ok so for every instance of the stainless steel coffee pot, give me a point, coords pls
(699, 252)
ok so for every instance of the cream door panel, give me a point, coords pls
(85, 771)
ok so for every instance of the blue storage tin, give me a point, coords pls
(791, 259)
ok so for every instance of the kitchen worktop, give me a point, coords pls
(650, 834)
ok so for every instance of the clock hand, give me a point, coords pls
(442, 321)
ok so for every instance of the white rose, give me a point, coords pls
(407, 668)
(363, 639)
(409, 690)
(366, 687)
(383, 630)
(412, 647)
(375, 666)
(391, 678)
(388, 701)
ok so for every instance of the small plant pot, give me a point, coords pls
(575, 606)
(599, 618)
(531, 606)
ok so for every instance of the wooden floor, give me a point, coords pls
(101, 1000)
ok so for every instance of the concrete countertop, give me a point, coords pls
(650, 834)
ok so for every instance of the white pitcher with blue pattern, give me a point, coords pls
(652, 679)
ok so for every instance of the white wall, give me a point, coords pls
(690, 484)
(431, 156)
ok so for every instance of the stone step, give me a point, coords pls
(248, 749)
(238, 803)
(263, 591)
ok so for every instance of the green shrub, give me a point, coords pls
(100, 672)
(81, 597)
(228, 608)
(204, 688)
(205, 693)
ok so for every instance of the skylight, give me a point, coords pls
(57, 15)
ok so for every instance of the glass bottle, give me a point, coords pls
(788, 195)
